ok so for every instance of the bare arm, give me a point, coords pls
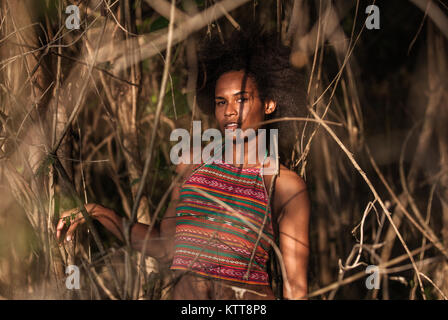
(159, 243)
(113, 223)
(294, 209)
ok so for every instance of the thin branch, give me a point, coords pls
(372, 189)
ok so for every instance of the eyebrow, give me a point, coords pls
(235, 94)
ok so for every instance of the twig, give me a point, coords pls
(298, 119)
(86, 216)
(434, 285)
(435, 13)
(372, 189)
(95, 67)
(355, 264)
(362, 274)
(156, 120)
(81, 94)
(423, 229)
(186, 28)
(428, 216)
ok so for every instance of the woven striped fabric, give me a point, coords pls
(210, 239)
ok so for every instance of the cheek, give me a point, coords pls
(215, 111)
(258, 111)
(218, 115)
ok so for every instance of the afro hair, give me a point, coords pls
(266, 60)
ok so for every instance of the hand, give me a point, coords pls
(72, 218)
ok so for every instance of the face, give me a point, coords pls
(237, 102)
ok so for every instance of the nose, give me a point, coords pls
(232, 109)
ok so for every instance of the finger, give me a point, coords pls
(68, 212)
(62, 224)
(70, 231)
(60, 227)
(91, 208)
(63, 221)
(75, 221)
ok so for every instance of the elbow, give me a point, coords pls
(296, 292)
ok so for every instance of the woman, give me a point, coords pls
(210, 235)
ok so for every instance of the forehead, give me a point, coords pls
(234, 81)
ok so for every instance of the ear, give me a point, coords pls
(269, 106)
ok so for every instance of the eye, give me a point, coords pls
(219, 103)
(242, 100)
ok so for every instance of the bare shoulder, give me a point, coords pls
(183, 172)
(290, 193)
(185, 169)
(288, 182)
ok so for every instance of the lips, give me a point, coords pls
(231, 125)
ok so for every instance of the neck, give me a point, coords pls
(245, 154)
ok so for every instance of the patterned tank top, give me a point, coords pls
(213, 241)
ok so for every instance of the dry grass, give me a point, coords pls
(85, 116)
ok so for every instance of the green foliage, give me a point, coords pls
(45, 165)
(50, 9)
(180, 106)
(135, 181)
(382, 88)
(429, 294)
(145, 27)
(64, 202)
(158, 24)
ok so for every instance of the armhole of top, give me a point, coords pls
(195, 168)
(264, 185)
(274, 218)
(262, 177)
